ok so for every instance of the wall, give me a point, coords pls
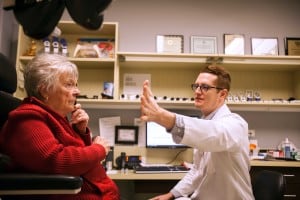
(140, 21)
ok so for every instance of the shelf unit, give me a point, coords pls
(171, 74)
(92, 71)
(273, 76)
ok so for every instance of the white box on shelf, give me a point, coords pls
(133, 83)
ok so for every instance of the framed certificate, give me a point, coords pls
(264, 46)
(126, 134)
(169, 43)
(234, 44)
(292, 46)
(203, 45)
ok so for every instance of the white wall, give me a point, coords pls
(140, 20)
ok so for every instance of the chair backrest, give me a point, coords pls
(8, 103)
(8, 85)
(8, 75)
(268, 185)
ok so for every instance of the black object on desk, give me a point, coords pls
(130, 162)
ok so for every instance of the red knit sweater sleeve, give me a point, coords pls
(41, 143)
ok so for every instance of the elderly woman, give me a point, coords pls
(39, 129)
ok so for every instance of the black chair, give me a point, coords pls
(12, 184)
(268, 185)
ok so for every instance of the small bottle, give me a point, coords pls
(253, 146)
(287, 148)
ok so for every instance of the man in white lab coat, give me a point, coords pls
(220, 141)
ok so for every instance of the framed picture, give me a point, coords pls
(126, 134)
(108, 90)
(234, 44)
(203, 45)
(169, 43)
(292, 46)
(94, 48)
(264, 46)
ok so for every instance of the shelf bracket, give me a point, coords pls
(214, 60)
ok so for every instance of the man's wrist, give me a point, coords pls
(167, 119)
(178, 129)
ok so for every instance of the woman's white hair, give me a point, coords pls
(44, 71)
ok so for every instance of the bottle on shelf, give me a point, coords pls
(286, 148)
(254, 149)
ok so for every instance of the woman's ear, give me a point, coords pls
(43, 92)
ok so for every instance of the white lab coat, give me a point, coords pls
(221, 158)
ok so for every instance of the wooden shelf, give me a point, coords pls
(246, 62)
(70, 28)
(83, 62)
(189, 105)
(277, 163)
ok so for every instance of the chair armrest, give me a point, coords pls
(14, 183)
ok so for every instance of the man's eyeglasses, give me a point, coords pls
(204, 87)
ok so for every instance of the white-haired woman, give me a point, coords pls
(39, 129)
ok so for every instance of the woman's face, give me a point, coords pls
(63, 97)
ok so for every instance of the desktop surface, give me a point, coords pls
(160, 169)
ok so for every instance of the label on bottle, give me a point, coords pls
(287, 151)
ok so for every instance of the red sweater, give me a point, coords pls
(40, 140)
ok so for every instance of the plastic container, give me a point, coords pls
(287, 148)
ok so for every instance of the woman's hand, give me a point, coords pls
(80, 119)
(103, 142)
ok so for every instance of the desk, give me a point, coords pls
(144, 186)
(155, 176)
(177, 176)
(130, 175)
(159, 183)
(275, 163)
(148, 183)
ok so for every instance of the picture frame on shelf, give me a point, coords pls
(234, 44)
(94, 48)
(169, 43)
(108, 90)
(126, 134)
(264, 46)
(292, 46)
(203, 44)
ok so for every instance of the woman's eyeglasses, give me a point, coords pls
(204, 87)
